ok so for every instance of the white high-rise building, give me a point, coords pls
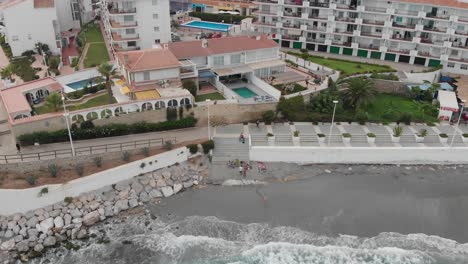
(136, 24)
(424, 32)
(28, 22)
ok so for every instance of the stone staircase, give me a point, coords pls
(230, 149)
(308, 138)
(359, 139)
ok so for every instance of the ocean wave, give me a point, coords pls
(209, 240)
(242, 182)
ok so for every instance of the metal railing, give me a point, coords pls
(83, 151)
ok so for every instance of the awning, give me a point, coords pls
(125, 90)
(147, 95)
(205, 74)
(233, 70)
(266, 64)
(448, 101)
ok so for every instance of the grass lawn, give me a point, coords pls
(97, 101)
(92, 33)
(399, 104)
(97, 54)
(347, 68)
(211, 96)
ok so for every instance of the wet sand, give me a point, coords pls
(362, 201)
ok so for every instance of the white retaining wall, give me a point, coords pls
(21, 201)
(275, 93)
(361, 155)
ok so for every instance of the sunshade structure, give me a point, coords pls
(147, 95)
(448, 104)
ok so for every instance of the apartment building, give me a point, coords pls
(180, 5)
(243, 7)
(28, 22)
(423, 32)
(136, 24)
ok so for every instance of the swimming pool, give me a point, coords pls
(244, 92)
(81, 84)
(208, 25)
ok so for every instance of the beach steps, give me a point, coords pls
(230, 149)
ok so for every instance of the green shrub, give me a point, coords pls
(191, 86)
(193, 148)
(268, 117)
(320, 135)
(405, 118)
(362, 117)
(98, 161)
(111, 130)
(88, 124)
(431, 124)
(346, 135)
(125, 156)
(296, 133)
(423, 132)
(43, 191)
(371, 135)
(31, 179)
(79, 169)
(207, 146)
(397, 131)
(171, 113)
(142, 165)
(67, 199)
(53, 169)
(168, 145)
(443, 135)
(465, 135)
(145, 151)
(227, 18)
(270, 135)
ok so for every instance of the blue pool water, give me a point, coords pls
(208, 25)
(244, 92)
(81, 84)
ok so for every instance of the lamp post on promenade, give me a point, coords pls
(335, 102)
(208, 107)
(66, 115)
(458, 122)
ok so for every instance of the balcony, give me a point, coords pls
(291, 25)
(373, 22)
(401, 51)
(318, 4)
(460, 46)
(320, 29)
(341, 43)
(427, 54)
(121, 11)
(119, 37)
(265, 23)
(265, 2)
(426, 41)
(406, 12)
(341, 31)
(315, 40)
(460, 32)
(458, 59)
(345, 19)
(398, 37)
(376, 9)
(398, 25)
(290, 37)
(463, 19)
(371, 34)
(345, 7)
(120, 24)
(317, 17)
(370, 47)
(266, 12)
(437, 16)
(293, 2)
(292, 14)
(119, 48)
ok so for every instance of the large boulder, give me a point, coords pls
(167, 191)
(177, 187)
(38, 247)
(137, 187)
(50, 241)
(155, 194)
(121, 205)
(22, 246)
(46, 225)
(58, 222)
(161, 183)
(91, 218)
(144, 197)
(32, 222)
(133, 203)
(188, 184)
(8, 245)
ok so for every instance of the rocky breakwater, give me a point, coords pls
(27, 235)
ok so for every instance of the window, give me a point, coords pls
(155, 16)
(378, 30)
(236, 58)
(399, 19)
(155, 2)
(29, 36)
(451, 65)
(156, 29)
(218, 60)
(464, 67)
(131, 44)
(130, 31)
(14, 38)
(157, 41)
(128, 18)
(146, 75)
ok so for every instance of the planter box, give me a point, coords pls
(465, 139)
(321, 139)
(370, 139)
(346, 139)
(296, 141)
(395, 139)
(419, 139)
(271, 141)
(443, 140)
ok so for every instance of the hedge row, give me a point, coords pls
(111, 130)
(220, 18)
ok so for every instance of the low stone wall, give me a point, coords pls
(361, 155)
(393, 87)
(69, 219)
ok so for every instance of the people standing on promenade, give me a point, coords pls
(18, 147)
(258, 123)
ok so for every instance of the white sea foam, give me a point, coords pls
(242, 182)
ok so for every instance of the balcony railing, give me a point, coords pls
(373, 22)
(122, 11)
(344, 31)
(435, 29)
(370, 46)
(428, 54)
(458, 59)
(317, 17)
(290, 25)
(292, 14)
(266, 12)
(463, 19)
(119, 24)
(371, 34)
(119, 37)
(318, 4)
(290, 37)
(397, 37)
(402, 51)
(315, 40)
(426, 40)
(266, 1)
(120, 48)
(437, 16)
(293, 2)
(346, 7)
(312, 28)
(412, 26)
(376, 9)
(460, 32)
(461, 46)
(270, 24)
(341, 43)
(346, 19)
(406, 12)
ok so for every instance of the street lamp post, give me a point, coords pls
(458, 122)
(335, 102)
(65, 115)
(209, 129)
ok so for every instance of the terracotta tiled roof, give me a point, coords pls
(14, 97)
(44, 3)
(149, 59)
(189, 49)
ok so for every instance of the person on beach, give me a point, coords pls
(241, 137)
(240, 170)
(18, 147)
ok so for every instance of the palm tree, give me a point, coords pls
(361, 92)
(7, 72)
(108, 72)
(53, 102)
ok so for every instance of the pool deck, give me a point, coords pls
(187, 24)
(252, 87)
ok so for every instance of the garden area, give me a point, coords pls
(359, 101)
(347, 68)
(97, 51)
(219, 18)
(289, 88)
(53, 104)
(212, 96)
